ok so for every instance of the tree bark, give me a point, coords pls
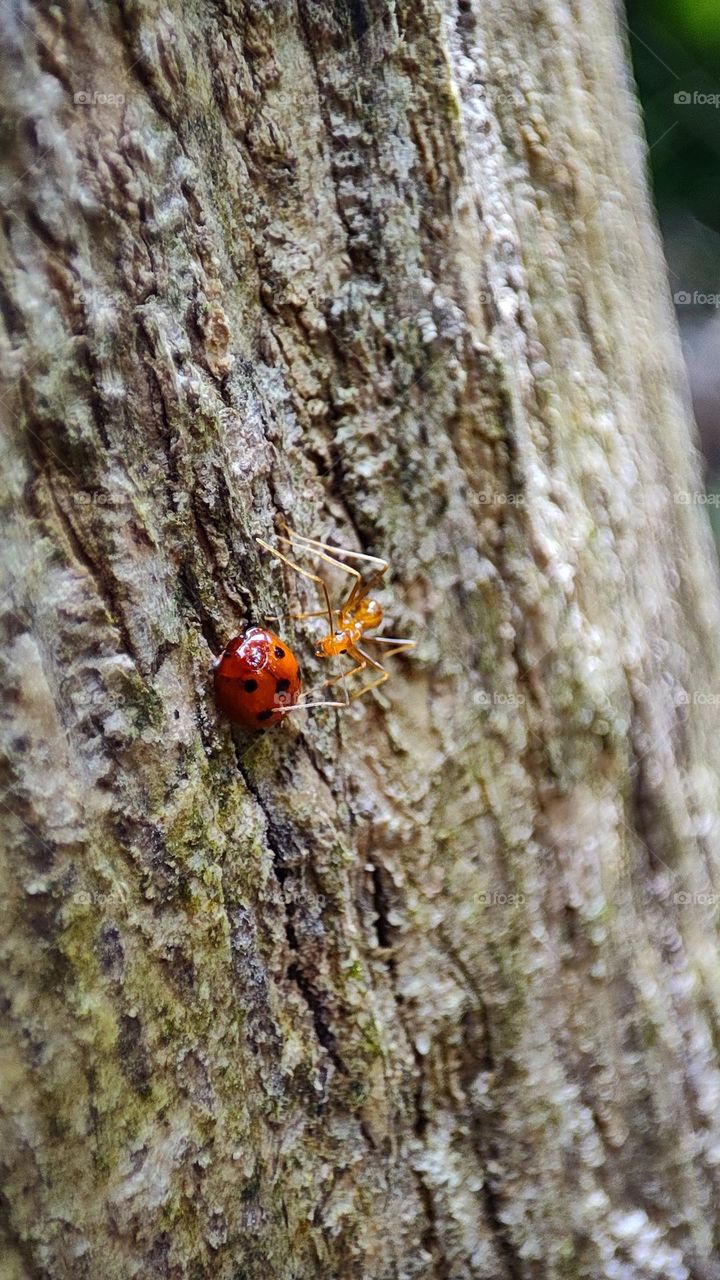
(429, 988)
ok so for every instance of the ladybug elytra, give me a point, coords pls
(257, 678)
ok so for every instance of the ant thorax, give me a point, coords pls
(353, 622)
(337, 642)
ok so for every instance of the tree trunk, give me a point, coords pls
(428, 988)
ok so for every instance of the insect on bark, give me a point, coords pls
(350, 621)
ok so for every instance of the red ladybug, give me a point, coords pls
(256, 676)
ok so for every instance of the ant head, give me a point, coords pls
(330, 646)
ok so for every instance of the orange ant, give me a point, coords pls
(358, 613)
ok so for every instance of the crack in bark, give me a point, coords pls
(485, 1144)
(23, 1247)
(295, 972)
(102, 580)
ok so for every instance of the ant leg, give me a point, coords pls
(384, 675)
(372, 685)
(360, 666)
(328, 559)
(304, 573)
(362, 586)
(400, 645)
(339, 551)
(379, 680)
(297, 617)
(305, 706)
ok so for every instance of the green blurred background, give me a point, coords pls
(675, 46)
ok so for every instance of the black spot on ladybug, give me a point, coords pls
(249, 686)
(264, 715)
(282, 685)
(279, 653)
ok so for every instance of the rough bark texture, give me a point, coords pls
(429, 989)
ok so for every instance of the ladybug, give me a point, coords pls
(257, 678)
